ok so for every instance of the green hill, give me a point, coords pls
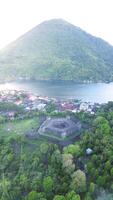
(58, 50)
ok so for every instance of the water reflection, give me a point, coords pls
(98, 92)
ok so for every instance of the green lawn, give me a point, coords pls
(18, 126)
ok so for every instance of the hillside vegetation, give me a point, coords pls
(38, 169)
(58, 50)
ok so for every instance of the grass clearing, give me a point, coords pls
(19, 126)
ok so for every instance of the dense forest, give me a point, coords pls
(57, 50)
(38, 169)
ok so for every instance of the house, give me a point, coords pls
(75, 110)
(18, 102)
(40, 106)
(68, 106)
(84, 106)
(27, 108)
(89, 151)
(32, 97)
(92, 113)
(44, 99)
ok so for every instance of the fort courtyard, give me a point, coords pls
(60, 128)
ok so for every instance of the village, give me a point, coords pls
(33, 102)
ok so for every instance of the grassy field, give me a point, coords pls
(18, 126)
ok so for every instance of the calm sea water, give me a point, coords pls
(95, 92)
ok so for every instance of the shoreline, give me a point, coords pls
(55, 80)
(32, 101)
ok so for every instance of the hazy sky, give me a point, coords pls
(19, 16)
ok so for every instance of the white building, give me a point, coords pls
(89, 151)
(84, 106)
(40, 106)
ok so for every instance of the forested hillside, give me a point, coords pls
(39, 169)
(56, 49)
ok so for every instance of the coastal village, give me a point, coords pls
(33, 102)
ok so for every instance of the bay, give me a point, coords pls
(92, 92)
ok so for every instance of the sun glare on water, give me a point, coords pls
(7, 86)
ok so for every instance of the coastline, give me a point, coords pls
(64, 90)
(54, 80)
(31, 101)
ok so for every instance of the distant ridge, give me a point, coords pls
(57, 50)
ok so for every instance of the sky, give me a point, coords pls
(19, 16)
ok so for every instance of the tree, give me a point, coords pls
(4, 187)
(99, 120)
(101, 125)
(48, 184)
(36, 183)
(33, 195)
(56, 159)
(92, 188)
(72, 149)
(51, 107)
(101, 180)
(78, 181)
(111, 171)
(59, 197)
(2, 119)
(67, 163)
(72, 196)
(24, 181)
(108, 165)
(44, 148)
(35, 162)
(88, 197)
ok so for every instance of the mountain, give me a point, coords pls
(57, 50)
